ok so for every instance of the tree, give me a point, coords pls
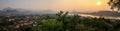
(51, 25)
(115, 4)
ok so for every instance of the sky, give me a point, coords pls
(79, 5)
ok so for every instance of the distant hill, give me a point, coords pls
(104, 13)
(11, 11)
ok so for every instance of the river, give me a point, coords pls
(93, 16)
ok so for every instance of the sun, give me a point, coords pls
(98, 3)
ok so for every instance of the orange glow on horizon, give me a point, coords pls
(59, 4)
(83, 4)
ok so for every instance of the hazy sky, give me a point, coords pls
(81, 5)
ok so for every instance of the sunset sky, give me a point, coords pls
(81, 5)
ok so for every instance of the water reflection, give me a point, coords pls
(93, 16)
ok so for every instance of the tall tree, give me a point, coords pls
(115, 4)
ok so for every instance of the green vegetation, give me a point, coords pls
(62, 22)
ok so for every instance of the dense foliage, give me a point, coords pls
(64, 22)
(115, 4)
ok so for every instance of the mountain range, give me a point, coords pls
(11, 11)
